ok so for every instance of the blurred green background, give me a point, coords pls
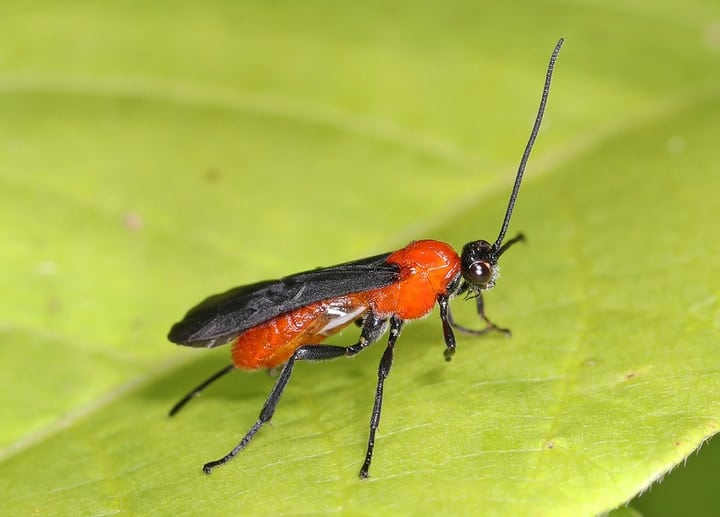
(153, 154)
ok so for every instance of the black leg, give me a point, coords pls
(447, 323)
(195, 392)
(383, 371)
(490, 326)
(372, 330)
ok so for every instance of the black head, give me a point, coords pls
(479, 258)
(479, 262)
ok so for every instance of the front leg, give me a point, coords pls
(481, 312)
(449, 324)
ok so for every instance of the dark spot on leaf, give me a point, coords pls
(212, 175)
(53, 305)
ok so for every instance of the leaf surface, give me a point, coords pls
(153, 155)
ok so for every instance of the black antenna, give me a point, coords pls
(528, 147)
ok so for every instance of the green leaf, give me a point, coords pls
(151, 155)
(688, 488)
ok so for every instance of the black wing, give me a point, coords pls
(219, 318)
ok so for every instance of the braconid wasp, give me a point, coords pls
(275, 323)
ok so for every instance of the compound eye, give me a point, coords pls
(479, 273)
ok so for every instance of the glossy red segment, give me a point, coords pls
(272, 343)
(427, 268)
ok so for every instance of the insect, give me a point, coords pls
(275, 323)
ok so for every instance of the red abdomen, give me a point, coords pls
(426, 269)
